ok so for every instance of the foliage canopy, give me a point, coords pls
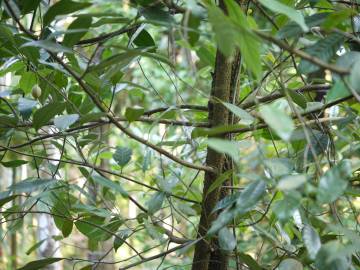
(225, 129)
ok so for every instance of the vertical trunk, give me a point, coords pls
(218, 115)
(207, 255)
(218, 259)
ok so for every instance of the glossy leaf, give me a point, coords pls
(39, 264)
(63, 7)
(156, 202)
(133, 114)
(334, 182)
(223, 146)
(291, 13)
(291, 182)
(76, 30)
(311, 240)
(64, 121)
(279, 122)
(227, 240)
(290, 264)
(43, 115)
(122, 155)
(27, 81)
(113, 186)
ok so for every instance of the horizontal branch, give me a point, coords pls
(271, 97)
(107, 36)
(94, 167)
(185, 106)
(129, 133)
(314, 60)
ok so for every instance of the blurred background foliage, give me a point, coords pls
(100, 99)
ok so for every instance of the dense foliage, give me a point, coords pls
(152, 130)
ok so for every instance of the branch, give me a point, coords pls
(271, 97)
(94, 167)
(162, 254)
(109, 35)
(302, 54)
(185, 106)
(112, 119)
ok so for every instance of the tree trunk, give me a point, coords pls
(218, 258)
(218, 115)
(207, 255)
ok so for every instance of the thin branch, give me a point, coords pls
(129, 133)
(107, 36)
(302, 54)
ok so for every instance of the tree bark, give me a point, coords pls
(218, 258)
(218, 115)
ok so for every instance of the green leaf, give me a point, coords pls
(223, 29)
(157, 15)
(25, 107)
(224, 146)
(120, 238)
(43, 115)
(354, 79)
(290, 264)
(227, 240)
(234, 31)
(247, 42)
(337, 91)
(250, 196)
(227, 201)
(144, 39)
(334, 182)
(35, 246)
(219, 181)
(123, 59)
(27, 81)
(326, 258)
(47, 45)
(62, 122)
(113, 186)
(5, 200)
(291, 13)
(324, 49)
(280, 122)
(249, 261)
(146, 161)
(222, 220)
(13, 163)
(67, 227)
(291, 182)
(284, 209)
(122, 155)
(76, 30)
(156, 202)
(133, 114)
(311, 240)
(96, 229)
(28, 6)
(62, 7)
(292, 29)
(39, 264)
(32, 184)
(242, 114)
